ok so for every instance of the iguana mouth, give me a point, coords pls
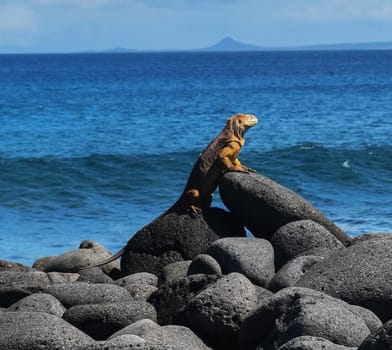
(250, 120)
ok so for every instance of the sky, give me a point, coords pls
(82, 25)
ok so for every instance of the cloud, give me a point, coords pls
(15, 18)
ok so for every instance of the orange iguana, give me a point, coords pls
(220, 156)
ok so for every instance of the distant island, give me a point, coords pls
(228, 44)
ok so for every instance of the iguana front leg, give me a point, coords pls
(228, 160)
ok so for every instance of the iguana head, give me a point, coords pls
(240, 123)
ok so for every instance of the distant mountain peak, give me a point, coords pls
(230, 44)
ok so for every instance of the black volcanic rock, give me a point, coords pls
(170, 299)
(253, 257)
(381, 339)
(264, 205)
(295, 312)
(6, 265)
(79, 293)
(313, 343)
(204, 264)
(298, 237)
(172, 337)
(291, 272)
(173, 237)
(17, 285)
(360, 274)
(39, 330)
(39, 302)
(89, 253)
(217, 312)
(102, 320)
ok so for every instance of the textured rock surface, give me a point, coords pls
(102, 320)
(295, 312)
(79, 293)
(172, 237)
(141, 292)
(17, 285)
(313, 343)
(125, 342)
(94, 275)
(216, 313)
(204, 264)
(290, 273)
(371, 236)
(39, 330)
(62, 277)
(381, 339)
(138, 278)
(6, 265)
(163, 338)
(89, 253)
(176, 270)
(172, 296)
(264, 205)
(298, 237)
(39, 302)
(360, 274)
(252, 257)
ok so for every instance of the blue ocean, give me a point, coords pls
(95, 146)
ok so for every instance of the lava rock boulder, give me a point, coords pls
(216, 313)
(252, 257)
(295, 312)
(299, 237)
(360, 274)
(175, 237)
(264, 205)
(39, 330)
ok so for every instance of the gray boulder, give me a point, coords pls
(371, 319)
(89, 253)
(140, 292)
(138, 278)
(17, 285)
(262, 295)
(204, 264)
(94, 275)
(360, 274)
(298, 237)
(38, 331)
(102, 320)
(252, 257)
(162, 338)
(371, 236)
(176, 270)
(171, 297)
(290, 273)
(79, 293)
(62, 277)
(125, 342)
(216, 313)
(6, 265)
(264, 205)
(381, 339)
(39, 302)
(313, 343)
(295, 312)
(173, 237)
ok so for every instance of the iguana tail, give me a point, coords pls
(107, 261)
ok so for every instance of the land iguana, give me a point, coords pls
(220, 156)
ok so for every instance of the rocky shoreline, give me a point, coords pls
(197, 282)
